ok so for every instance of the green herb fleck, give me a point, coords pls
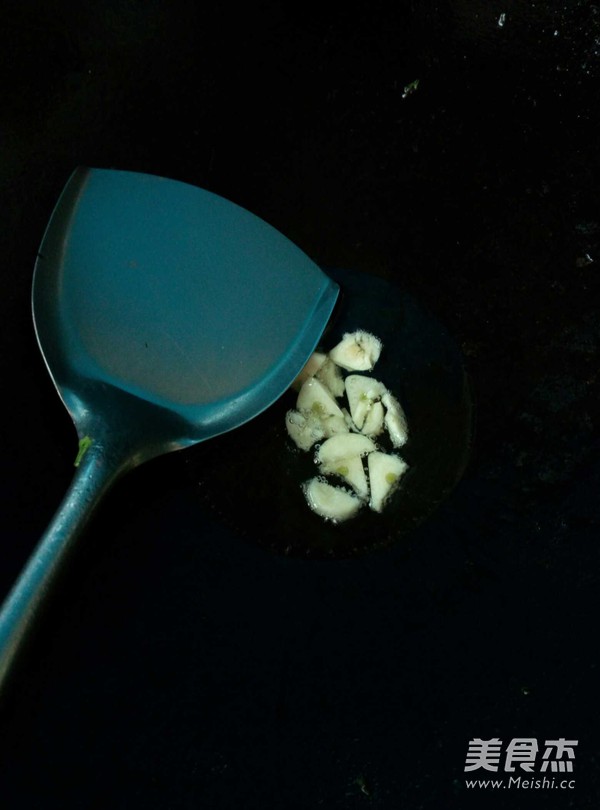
(410, 88)
(343, 470)
(391, 477)
(84, 445)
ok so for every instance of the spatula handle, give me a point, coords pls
(95, 474)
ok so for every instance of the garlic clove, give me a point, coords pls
(357, 351)
(373, 425)
(385, 471)
(314, 397)
(330, 502)
(313, 364)
(362, 392)
(342, 446)
(352, 471)
(302, 430)
(331, 376)
(395, 420)
(305, 427)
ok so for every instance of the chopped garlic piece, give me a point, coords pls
(331, 376)
(373, 424)
(357, 351)
(316, 398)
(305, 427)
(352, 471)
(395, 420)
(362, 392)
(313, 364)
(331, 502)
(304, 432)
(385, 471)
(344, 445)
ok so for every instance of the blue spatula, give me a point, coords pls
(166, 315)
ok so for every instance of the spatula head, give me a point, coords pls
(176, 297)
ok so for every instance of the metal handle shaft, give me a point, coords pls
(95, 474)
